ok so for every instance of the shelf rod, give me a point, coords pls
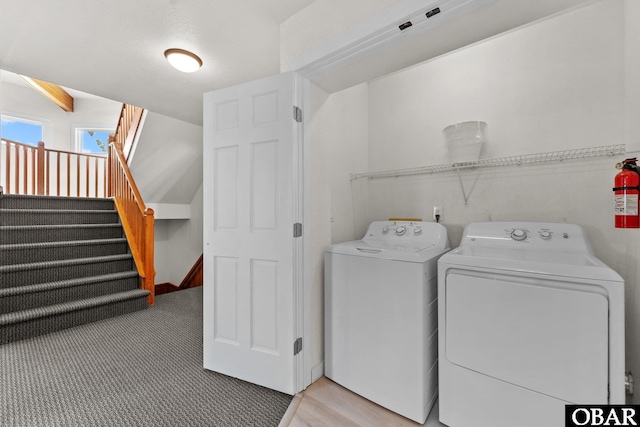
(579, 153)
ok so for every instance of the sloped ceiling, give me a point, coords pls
(114, 49)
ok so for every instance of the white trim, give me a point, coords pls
(76, 131)
(134, 145)
(170, 210)
(305, 104)
(379, 30)
(317, 372)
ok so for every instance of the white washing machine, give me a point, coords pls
(529, 321)
(381, 315)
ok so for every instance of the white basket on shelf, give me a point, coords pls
(464, 141)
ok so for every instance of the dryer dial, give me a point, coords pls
(545, 235)
(518, 234)
(400, 230)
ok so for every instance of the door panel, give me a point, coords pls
(251, 188)
(538, 334)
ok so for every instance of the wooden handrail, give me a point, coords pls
(137, 219)
(127, 128)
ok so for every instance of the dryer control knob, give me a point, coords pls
(400, 230)
(385, 229)
(518, 234)
(545, 235)
(417, 231)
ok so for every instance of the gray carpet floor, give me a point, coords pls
(138, 369)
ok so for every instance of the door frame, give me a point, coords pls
(302, 98)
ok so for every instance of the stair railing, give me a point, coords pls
(128, 123)
(41, 171)
(137, 220)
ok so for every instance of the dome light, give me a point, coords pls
(183, 60)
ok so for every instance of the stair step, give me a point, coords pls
(32, 296)
(12, 234)
(15, 201)
(57, 216)
(22, 253)
(42, 320)
(49, 271)
(64, 262)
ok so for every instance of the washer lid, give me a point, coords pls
(385, 250)
(411, 241)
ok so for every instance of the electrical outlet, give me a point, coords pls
(437, 210)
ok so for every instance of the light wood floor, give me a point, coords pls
(325, 403)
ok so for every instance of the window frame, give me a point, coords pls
(78, 131)
(24, 118)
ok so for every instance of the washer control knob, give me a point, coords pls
(385, 229)
(545, 235)
(417, 231)
(518, 234)
(400, 230)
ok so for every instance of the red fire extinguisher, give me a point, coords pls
(626, 192)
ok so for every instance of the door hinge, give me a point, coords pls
(297, 346)
(297, 229)
(297, 114)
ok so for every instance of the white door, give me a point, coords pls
(252, 263)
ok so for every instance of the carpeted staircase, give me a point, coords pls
(63, 262)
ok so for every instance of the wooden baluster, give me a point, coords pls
(47, 172)
(95, 165)
(17, 150)
(68, 174)
(33, 171)
(57, 174)
(86, 166)
(40, 168)
(77, 176)
(8, 165)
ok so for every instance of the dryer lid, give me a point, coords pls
(543, 248)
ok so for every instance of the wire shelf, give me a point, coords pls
(527, 159)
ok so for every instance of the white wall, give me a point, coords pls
(339, 146)
(167, 167)
(178, 243)
(167, 161)
(28, 103)
(558, 84)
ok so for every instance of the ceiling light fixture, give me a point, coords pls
(183, 60)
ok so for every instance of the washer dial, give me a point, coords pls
(400, 230)
(545, 235)
(518, 234)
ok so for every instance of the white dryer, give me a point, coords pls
(381, 315)
(529, 321)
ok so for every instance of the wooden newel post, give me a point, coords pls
(149, 267)
(40, 158)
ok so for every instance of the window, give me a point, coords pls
(92, 140)
(22, 130)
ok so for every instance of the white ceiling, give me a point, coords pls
(114, 49)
